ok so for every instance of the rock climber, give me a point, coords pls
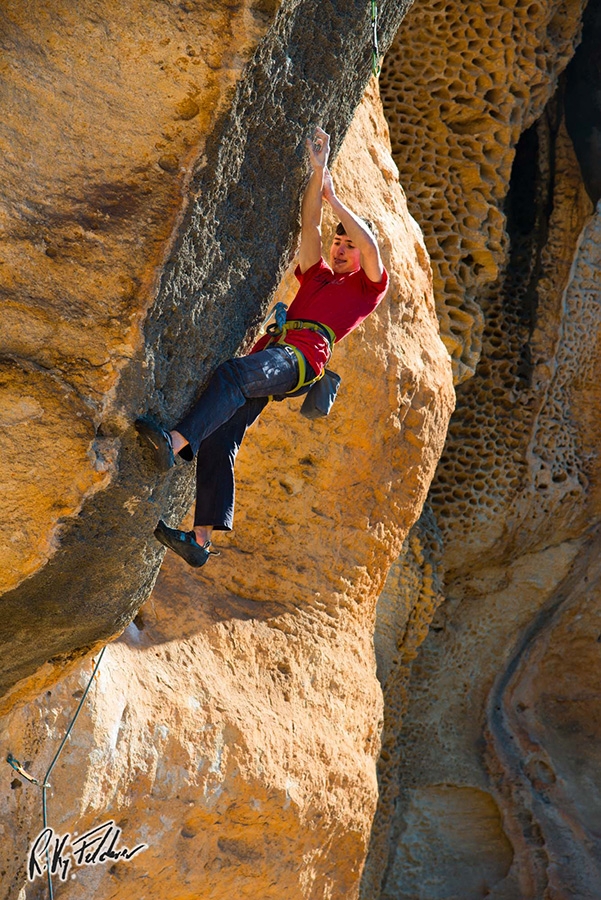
(331, 301)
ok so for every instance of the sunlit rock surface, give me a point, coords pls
(106, 117)
(235, 726)
(152, 168)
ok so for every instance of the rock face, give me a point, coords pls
(235, 724)
(459, 85)
(493, 772)
(137, 193)
(234, 727)
(96, 172)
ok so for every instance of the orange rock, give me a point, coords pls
(235, 725)
(42, 422)
(96, 171)
(459, 85)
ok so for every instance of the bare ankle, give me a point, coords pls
(203, 534)
(178, 440)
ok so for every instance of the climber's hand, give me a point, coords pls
(319, 149)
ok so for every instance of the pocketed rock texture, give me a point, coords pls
(234, 727)
(491, 781)
(153, 160)
(459, 85)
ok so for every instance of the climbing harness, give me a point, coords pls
(375, 52)
(321, 390)
(44, 785)
(278, 336)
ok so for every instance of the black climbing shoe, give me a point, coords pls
(184, 543)
(159, 442)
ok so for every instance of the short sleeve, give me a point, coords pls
(375, 287)
(311, 271)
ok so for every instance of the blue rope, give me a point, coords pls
(45, 785)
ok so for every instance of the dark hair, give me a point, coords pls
(340, 229)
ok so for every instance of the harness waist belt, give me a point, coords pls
(310, 325)
(278, 336)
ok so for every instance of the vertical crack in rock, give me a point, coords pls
(541, 745)
(231, 245)
(406, 607)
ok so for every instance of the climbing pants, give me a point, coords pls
(215, 426)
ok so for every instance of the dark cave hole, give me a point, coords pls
(583, 100)
(520, 204)
(528, 206)
(529, 201)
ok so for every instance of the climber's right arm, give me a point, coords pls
(310, 246)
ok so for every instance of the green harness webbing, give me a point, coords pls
(278, 336)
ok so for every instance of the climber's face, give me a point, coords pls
(344, 256)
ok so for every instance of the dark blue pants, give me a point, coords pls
(215, 426)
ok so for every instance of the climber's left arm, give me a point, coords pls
(358, 232)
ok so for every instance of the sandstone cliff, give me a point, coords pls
(147, 217)
(234, 726)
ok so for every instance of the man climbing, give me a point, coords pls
(331, 301)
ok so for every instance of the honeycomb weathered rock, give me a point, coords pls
(500, 702)
(517, 400)
(459, 85)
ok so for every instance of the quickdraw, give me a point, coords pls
(16, 765)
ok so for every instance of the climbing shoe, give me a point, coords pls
(158, 440)
(184, 543)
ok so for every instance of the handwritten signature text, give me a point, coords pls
(59, 853)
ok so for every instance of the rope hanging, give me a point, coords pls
(16, 765)
(375, 52)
